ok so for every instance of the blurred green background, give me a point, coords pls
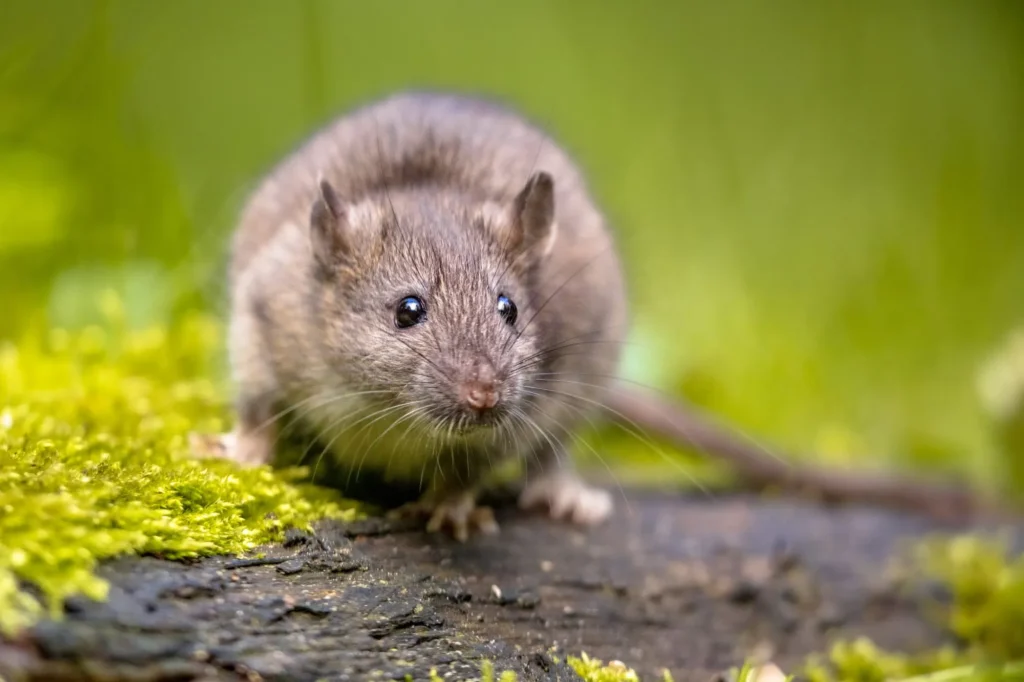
(819, 202)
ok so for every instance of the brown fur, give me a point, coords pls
(432, 199)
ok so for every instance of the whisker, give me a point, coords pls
(380, 412)
(324, 399)
(736, 431)
(374, 418)
(583, 413)
(407, 416)
(418, 421)
(636, 431)
(561, 286)
(425, 358)
(334, 423)
(325, 393)
(537, 357)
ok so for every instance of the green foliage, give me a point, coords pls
(94, 462)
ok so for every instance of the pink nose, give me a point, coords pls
(480, 396)
(480, 392)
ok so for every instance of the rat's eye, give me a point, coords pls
(507, 309)
(410, 312)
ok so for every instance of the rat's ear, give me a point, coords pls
(329, 228)
(533, 216)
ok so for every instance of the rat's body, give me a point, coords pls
(429, 286)
(429, 289)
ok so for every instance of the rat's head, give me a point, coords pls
(426, 300)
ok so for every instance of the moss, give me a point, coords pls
(94, 462)
(594, 670)
(987, 585)
(985, 613)
(487, 673)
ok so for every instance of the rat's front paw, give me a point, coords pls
(567, 497)
(248, 449)
(458, 512)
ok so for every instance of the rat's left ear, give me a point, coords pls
(330, 231)
(533, 216)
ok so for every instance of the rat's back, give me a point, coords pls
(443, 140)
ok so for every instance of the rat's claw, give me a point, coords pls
(462, 514)
(567, 497)
(213, 445)
(459, 512)
(245, 448)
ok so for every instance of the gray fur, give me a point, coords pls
(455, 200)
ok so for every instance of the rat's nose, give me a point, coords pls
(480, 391)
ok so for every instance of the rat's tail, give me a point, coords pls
(758, 467)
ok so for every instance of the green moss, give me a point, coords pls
(94, 462)
(594, 670)
(487, 673)
(986, 614)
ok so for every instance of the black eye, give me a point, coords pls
(410, 312)
(507, 309)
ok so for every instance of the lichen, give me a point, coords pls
(94, 462)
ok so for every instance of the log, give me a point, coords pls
(691, 584)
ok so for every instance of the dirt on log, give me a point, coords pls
(688, 584)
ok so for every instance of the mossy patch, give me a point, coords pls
(595, 670)
(94, 462)
(985, 614)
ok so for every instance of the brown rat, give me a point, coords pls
(429, 287)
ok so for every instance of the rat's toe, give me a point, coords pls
(567, 497)
(592, 506)
(247, 448)
(484, 521)
(462, 515)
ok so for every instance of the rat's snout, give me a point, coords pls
(481, 389)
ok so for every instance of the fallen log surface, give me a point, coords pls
(691, 584)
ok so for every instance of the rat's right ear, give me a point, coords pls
(533, 217)
(329, 228)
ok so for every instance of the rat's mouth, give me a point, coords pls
(471, 423)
